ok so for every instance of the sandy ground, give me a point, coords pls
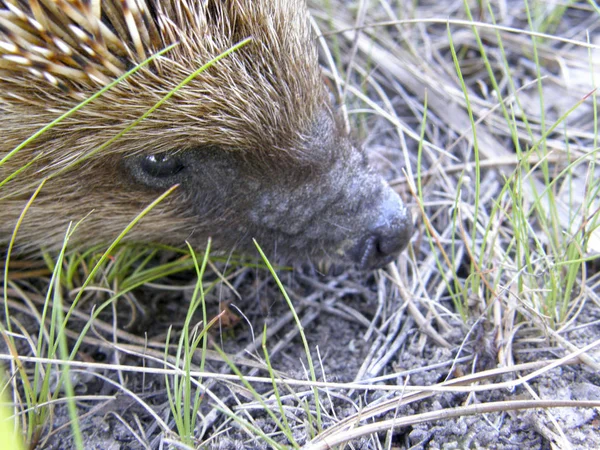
(349, 349)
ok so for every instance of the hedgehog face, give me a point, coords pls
(251, 141)
(326, 205)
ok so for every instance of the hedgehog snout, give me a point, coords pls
(386, 236)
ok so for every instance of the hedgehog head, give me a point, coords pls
(252, 142)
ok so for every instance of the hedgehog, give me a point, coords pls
(254, 143)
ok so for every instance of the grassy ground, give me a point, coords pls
(485, 333)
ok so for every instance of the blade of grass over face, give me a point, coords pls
(107, 254)
(156, 105)
(10, 248)
(83, 104)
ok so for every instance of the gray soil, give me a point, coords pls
(336, 322)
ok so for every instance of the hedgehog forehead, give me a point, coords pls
(265, 95)
(230, 105)
(261, 141)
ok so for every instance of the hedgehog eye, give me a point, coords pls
(161, 165)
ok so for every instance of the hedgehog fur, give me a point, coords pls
(253, 142)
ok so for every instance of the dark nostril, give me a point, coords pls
(387, 236)
(390, 240)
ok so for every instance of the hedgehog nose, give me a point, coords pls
(387, 235)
